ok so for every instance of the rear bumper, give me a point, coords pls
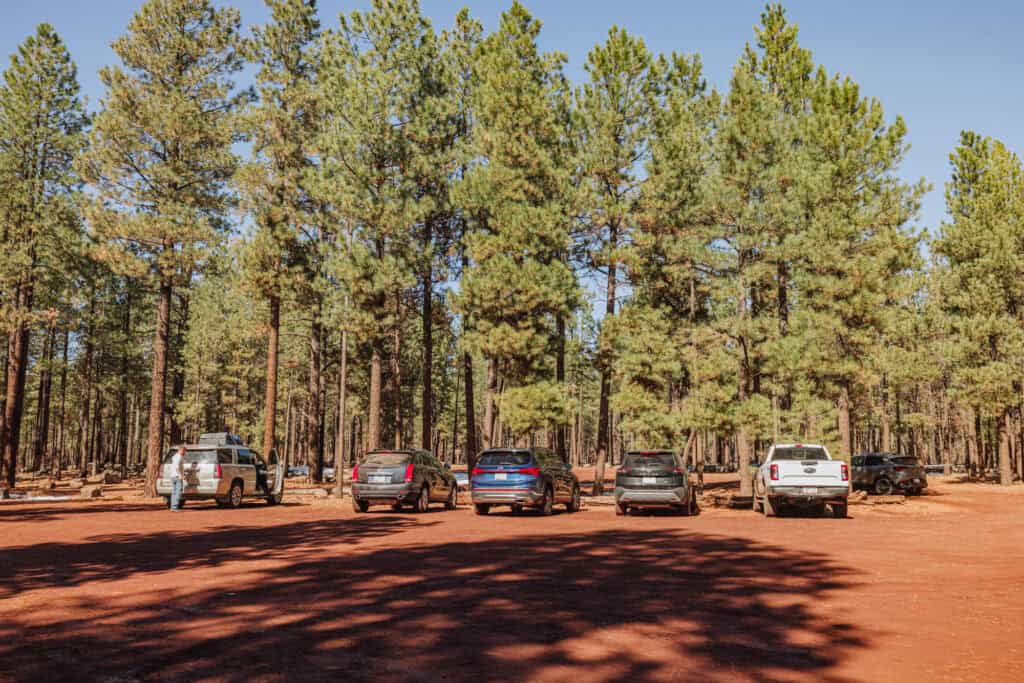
(506, 496)
(206, 489)
(391, 493)
(910, 483)
(652, 497)
(799, 495)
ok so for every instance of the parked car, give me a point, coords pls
(402, 477)
(298, 471)
(654, 479)
(462, 478)
(883, 473)
(801, 475)
(521, 478)
(225, 472)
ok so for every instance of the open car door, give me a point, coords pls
(275, 477)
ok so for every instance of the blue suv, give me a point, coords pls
(523, 477)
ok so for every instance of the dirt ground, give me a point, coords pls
(123, 590)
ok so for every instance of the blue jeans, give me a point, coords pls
(177, 488)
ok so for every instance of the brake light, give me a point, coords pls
(532, 471)
(623, 470)
(476, 472)
(217, 474)
(775, 472)
(899, 468)
(408, 472)
(846, 472)
(355, 472)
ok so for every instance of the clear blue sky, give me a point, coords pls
(944, 65)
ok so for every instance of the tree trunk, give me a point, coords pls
(845, 437)
(428, 351)
(17, 367)
(59, 459)
(373, 416)
(314, 452)
(122, 440)
(339, 436)
(490, 437)
(1005, 464)
(178, 370)
(396, 372)
(43, 408)
(560, 448)
(270, 398)
(603, 423)
(158, 383)
(471, 446)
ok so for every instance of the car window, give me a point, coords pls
(803, 453)
(244, 456)
(857, 460)
(873, 460)
(388, 459)
(224, 456)
(495, 458)
(648, 459)
(905, 461)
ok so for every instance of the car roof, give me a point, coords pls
(797, 445)
(661, 451)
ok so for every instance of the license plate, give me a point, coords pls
(381, 479)
(917, 481)
(808, 489)
(500, 476)
(648, 481)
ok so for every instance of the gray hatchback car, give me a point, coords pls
(654, 479)
(883, 473)
(403, 477)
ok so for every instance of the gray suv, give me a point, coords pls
(654, 479)
(399, 478)
(219, 468)
(883, 473)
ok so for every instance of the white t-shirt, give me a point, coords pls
(177, 466)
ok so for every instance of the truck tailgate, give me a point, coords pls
(809, 473)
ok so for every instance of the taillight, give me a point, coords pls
(355, 472)
(217, 472)
(900, 468)
(408, 472)
(623, 470)
(532, 471)
(846, 472)
(775, 472)
(476, 472)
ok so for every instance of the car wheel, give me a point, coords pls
(423, 501)
(221, 502)
(547, 506)
(235, 495)
(482, 508)
(275, 498)
(453, 499)
(620, 509)
(360, 505)
(839, 510)
(767, 507)
(574, 500)
(883, 487)
(396, 507)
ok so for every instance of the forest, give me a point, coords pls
(397, 236)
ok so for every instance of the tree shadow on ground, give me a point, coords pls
(294, 602)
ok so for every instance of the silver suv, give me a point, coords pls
(221, 469)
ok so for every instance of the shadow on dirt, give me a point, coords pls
(315, 604)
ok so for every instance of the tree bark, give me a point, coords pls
(122, 441)
(314, 447)
(270, 398)
(845, 437)
(396, 373)
(43, 407)
(158, 384)
(59, 459)
(471, 445)
(428, 350)
(17, 367)
(603, 423)
(339, 436)
(178, 370)
(373, 416)
(560, 448)
(489, 397)
(1005, 464)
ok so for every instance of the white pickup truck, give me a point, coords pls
(801, 475)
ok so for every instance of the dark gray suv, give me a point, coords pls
(883, 473)
(398, 478)
(654, 479)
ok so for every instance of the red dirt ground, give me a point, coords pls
(124, 590)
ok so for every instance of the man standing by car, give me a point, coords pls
(177, 478)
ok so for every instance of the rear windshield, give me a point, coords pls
(495, 458)
(649, 459)
(905, 461)
(388, 459)
(203, 457)
(799, 454)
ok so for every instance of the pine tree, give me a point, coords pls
(160, 157)
(41, 123)
(282, 127)
(517, 284)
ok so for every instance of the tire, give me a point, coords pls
(547, 506)
(396, 507)
(275, 498)
(482, 508)
(574, 500)
(453, 499)
(839, 510)
(883, 487)
(767, 507)
(620, 509)
(221, 502)
(235, 495)
(423, 501)
(359, 505)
